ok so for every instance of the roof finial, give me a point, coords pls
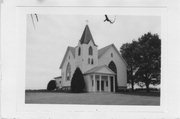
(87, 22)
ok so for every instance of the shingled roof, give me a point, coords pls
(86, 36)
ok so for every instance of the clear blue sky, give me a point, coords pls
(48, 41)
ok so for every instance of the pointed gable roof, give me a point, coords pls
(72, 50)
(103, 50)
(98, 69)
(86, 36)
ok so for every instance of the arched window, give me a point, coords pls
(112, 66)
(92, 62)
(90, 51)
(111, 54)
(68, 72)
(89, 61)
(79, 51)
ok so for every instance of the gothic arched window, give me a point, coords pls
(79, 51)
(90, 51)
(68, 72)
(92, 61)
(89, 61)
(111, 54)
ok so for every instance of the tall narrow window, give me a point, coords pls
(79, 51)
(68, 72)
(90, 51)
(89, 61)
(111, 54)
(92, 61)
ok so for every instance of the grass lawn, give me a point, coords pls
(90, 98)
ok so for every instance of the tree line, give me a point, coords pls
(143, 57)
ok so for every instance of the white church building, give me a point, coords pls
(104, 69)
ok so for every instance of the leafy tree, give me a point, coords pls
(51, 85)
(129, 52)
(149, 59)
(144, 60)
(77, 83)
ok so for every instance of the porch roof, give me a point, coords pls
(100, 70)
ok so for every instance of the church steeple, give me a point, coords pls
(86, 36)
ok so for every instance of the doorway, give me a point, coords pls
(102, 85)
(97, 85)
(112, 86)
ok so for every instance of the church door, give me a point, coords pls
(102, 85)
(112, 86)
(97, 85)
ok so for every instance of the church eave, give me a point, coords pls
(98, 73)
(106, 49)
(95, 70)
(68, 49)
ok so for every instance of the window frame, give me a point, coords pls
(92, 61)
(89, 61)
(90, 51)
(111, 54)
(68, 71)
(79, 51)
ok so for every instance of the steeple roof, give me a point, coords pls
(86, 36)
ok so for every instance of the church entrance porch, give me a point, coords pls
(100, 79)
(103, 83)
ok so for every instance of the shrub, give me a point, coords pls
(51, 85)
(77, 82)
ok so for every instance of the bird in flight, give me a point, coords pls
(108, 20)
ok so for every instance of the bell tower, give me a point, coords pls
(86, 51)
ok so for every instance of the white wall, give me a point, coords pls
(86, 55)
(82, 60)
(63, 70)
(88, 82)
(120, 65)
(78, 59)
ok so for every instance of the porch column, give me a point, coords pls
(100, 83)
(94, 83)
(114, 83)
(109, 85)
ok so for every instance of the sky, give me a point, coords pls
(48, 39)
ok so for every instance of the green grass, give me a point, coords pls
(38, 97)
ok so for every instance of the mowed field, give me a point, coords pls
(89, 98)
